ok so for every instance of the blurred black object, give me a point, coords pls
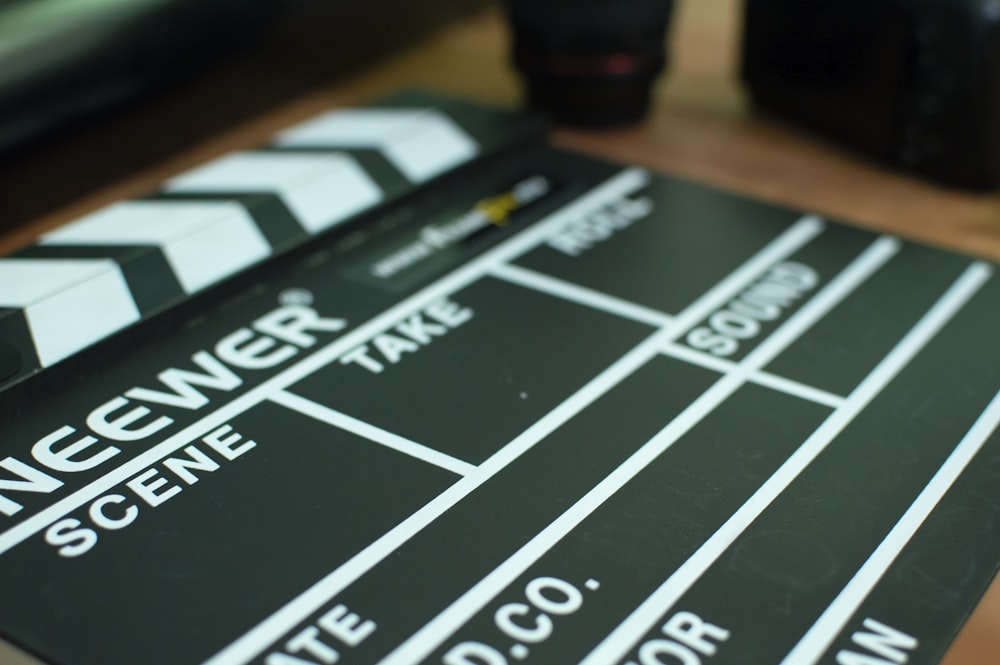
(590, 62)
(94, 90)
(62, 59)
(914, 83)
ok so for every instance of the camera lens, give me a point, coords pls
(590, 62)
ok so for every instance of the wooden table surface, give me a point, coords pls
(700, 128)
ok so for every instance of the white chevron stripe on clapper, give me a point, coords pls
(421, 143)
(320, 190)
(203, 241)
(68, 303)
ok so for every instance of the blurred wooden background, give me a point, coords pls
(700, 128)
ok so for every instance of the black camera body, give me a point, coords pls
(914, 83)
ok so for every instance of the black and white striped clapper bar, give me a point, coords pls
(122, 264)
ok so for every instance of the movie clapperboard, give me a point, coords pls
(407, 385)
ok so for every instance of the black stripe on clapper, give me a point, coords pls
(17, 348)
(150, 278)
(280, 227)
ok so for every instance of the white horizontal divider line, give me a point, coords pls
(687, 354)
(766, 379)
(621, 184)
(581, 295)
(378, 435)
(797, 389)
(419, 645)
(273, 627)
(643, 618)
(818, 638)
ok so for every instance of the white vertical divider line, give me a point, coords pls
(643, 618)
(818, 638)
(368, 431)
(419, 645)
(260, 636)
(581, 295)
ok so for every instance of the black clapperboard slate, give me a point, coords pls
(408, 385)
